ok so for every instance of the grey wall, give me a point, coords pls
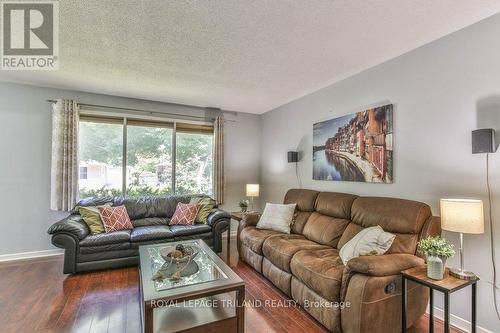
(25, 150)
(441, 92)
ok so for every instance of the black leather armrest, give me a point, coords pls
(216, 215)
(73, 224)
(219, 221)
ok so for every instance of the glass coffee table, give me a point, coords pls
(209, 297)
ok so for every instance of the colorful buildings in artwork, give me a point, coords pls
(368, 135)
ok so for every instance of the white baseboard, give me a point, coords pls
(33, 254)
(457, 321)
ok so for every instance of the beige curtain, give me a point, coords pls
(64, 168)
(219, 159)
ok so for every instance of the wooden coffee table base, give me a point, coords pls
(204, 313)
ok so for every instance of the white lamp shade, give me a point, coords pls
(462, 215)
(252, 190)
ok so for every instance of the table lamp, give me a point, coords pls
(252, 191)
(464, 216)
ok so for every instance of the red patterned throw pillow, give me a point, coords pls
(184, 214)
(115, 218)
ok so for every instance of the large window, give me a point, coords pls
(149, 159)
(133, 157)
(193, 171)
(101, 150)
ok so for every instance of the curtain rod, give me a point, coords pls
(146, 111)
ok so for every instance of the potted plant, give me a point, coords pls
(243, 205)
(436, 251)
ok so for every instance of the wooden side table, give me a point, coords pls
(447, 285)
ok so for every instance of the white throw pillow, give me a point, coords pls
(277, 217)
(369, 241)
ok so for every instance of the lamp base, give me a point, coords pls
(462, 274)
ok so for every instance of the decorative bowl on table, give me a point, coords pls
(178, 254)
(179, 263)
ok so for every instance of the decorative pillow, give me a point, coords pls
(205, 206)
(277, 217)
(185, 214)
(369, 241)
(92, 218)
(115, 218)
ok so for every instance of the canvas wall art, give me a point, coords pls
(357, 147)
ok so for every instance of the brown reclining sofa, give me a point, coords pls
(365, 295)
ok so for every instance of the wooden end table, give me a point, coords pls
(238, 216)
(447, 285)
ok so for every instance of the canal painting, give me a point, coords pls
(356, 147)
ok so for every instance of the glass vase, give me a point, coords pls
(435, 267)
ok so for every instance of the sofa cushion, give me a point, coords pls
(148, 233)
(104, 248)
(151, 206)
(92, 217)
(205, 206)
(183, 230)
(304, 199)
(320, 270)
(279, 249)
(115, 237)
(403, 243)
(299, 221)
(369, 241)
(185, 214)
(324, 229)
(115, 218)
(151, 221)
(277, 217)
(253, 238)
(393, 215)
(335, 204)
(350, 231)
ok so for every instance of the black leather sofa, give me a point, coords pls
(150, 216)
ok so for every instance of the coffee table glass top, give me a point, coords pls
(202, 267)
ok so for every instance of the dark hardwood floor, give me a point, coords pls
(36, 297)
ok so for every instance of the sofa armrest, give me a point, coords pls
(73, 225)
(219, 221)
(384, 265)
(249, 219)
(217, 214)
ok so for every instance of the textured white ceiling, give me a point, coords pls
(246, 55)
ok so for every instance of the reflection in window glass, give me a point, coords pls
(101, 149)
(193, 163)
(149, 160)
